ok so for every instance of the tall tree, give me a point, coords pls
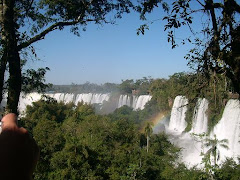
(217, 47)
(24, 22)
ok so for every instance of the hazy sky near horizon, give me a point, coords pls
(110, 53)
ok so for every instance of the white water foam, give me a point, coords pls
(229, 128)
(200, 119)
(177, 120)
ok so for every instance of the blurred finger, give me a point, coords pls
(9, 121)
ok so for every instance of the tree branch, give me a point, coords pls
(49, 29)
(237, 8)
(218, 5)
(200, 3)
(231, 6)
(210, 4)
(28, 7)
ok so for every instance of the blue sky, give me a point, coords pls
(110, 53)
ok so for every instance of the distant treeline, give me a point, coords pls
(84, 88)
(129, 86)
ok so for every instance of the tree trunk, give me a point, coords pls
(14, 82)
(147, 143)
(11, 55)
(214, 88)
(236, 58)
(2, 73)
(3, 59)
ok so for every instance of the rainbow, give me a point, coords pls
(154, 120)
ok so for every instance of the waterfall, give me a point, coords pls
(90, 98)
(138, 102)
(100, 98)
(134, 102)
(68, 98)
(200, 119)
(177, 121)
(27, 99)
(191, 149)
(124, 100)
(229, 128)
(58, 96)
(141, 101)
(85, 98)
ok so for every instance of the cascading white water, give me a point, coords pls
(134, 102)
(92, 98)
(99, 98)
(27, 99)
(141, 101)
(177, 120)
(85, 98)
(191, 149)
(68, 98)
(120, 101)
(88, 98)
(200, 119)
(129, 101)
(229, 128)
(124, 100)
(58, 96)
(138, 102)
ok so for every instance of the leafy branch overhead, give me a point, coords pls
(216, 42)
(34, 80)
(24, 22)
